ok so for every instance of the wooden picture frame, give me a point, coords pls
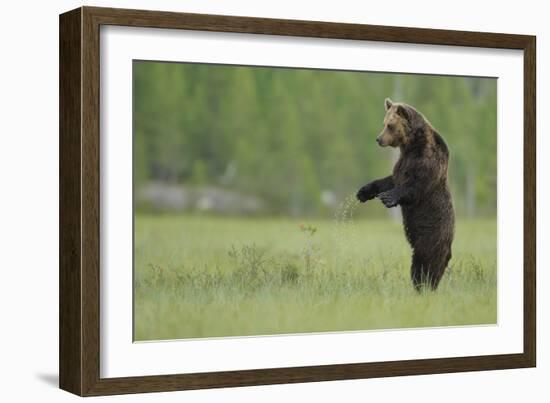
(79, 348)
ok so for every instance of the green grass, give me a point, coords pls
(214, 276)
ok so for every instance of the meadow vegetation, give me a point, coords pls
(221, 276)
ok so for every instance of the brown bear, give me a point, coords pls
(419, 185)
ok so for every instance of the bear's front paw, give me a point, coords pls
(367, 192)
(389, 199)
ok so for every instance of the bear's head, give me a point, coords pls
(400, 124)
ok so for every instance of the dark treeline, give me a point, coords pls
(299, 139)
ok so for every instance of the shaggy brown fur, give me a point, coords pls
(419, 186)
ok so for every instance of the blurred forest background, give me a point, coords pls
(279, 141)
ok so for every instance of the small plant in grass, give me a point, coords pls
(289, 273)
(310, 252)
(251, 264)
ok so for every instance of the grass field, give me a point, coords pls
(214, 276)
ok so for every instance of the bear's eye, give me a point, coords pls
(390, 127)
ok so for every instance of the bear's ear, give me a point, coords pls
(388, 103)
(403, 112)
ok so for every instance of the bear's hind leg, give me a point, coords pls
(439, 268)
(418, 272)
(428, 270)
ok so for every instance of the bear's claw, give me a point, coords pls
(361, 196)
(388, 198)
(366, 193)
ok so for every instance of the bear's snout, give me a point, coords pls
(383, 140)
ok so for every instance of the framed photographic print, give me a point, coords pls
(248, 201)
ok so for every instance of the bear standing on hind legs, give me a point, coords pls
(419, 185)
